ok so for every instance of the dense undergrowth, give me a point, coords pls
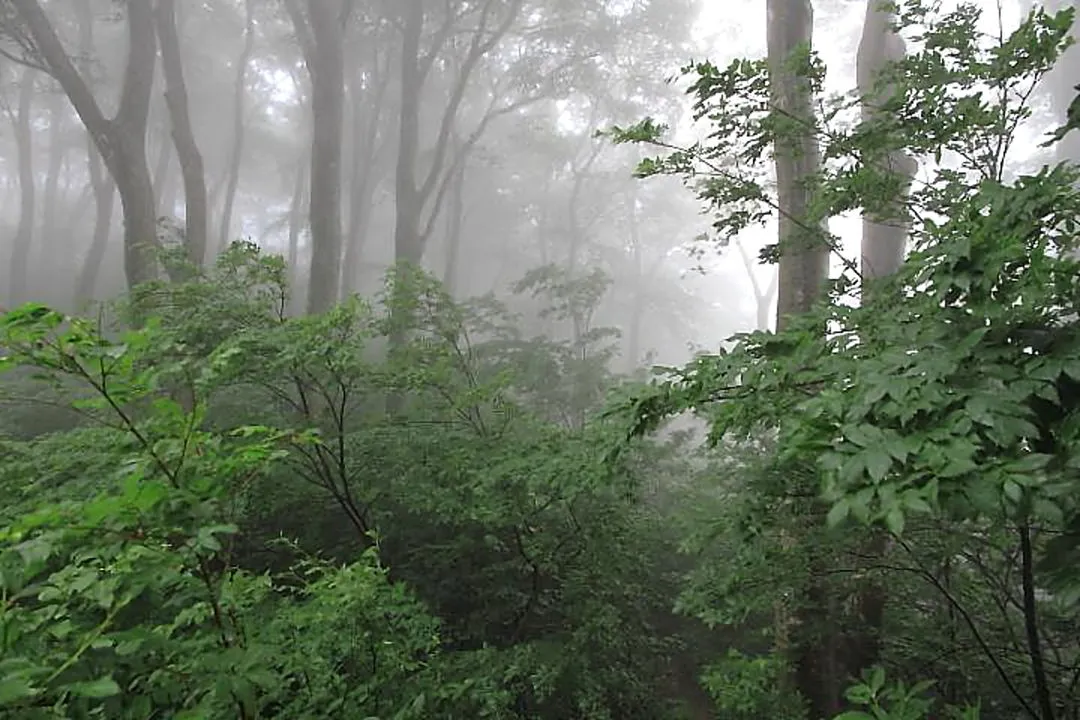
(416, 507)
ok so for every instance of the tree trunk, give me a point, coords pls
(24, 235)
(413, 194)
(164, 178)
(363, 174)
(121, 140)
(455, 221)
(50, 211)
(296, 226)
(804, 264)
(187, 150)
(104, 198)
(321, 37)
(408, 203)
(884, 238)
(803, 272)
(885, 231)
(232, 181)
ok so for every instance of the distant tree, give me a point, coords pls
(121, 140)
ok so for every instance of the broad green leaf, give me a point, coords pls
(100, 688)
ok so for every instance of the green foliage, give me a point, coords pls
(141, 567)
(897, 701)
(745, 687)
(946, 401)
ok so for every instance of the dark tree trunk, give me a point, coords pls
(803, 273)
(187, 150)
(364, 172)
(104, 199)
(321, 36)
(232, 181)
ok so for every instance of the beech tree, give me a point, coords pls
(187, 149)
(319, 27)
(121, 140)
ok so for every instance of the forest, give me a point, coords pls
(540, 360)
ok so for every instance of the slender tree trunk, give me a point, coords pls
(408, 203)
(50, 211)
(296, 224)
(232, 181)
(363, 175)
(164, 178)
(24, 235)
(187, 149)
(455, 221)
(321, 36)
(104, 199)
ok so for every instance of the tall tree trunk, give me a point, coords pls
(885, 229)
(408, 202)
(24, 235)
(803, 272)
(296, 225)
(884, 238)
(50, 211)
(455, 221)
(321, 37)
(187, 150)
(804, 264)
(232, 181)
(122, 139)
(414, 194)
(104, 199)
(363, 176)
(163, 177)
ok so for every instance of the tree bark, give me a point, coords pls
(24, 234)
(412, 193)
(803, 272)
(321, 37)
(365, 171)
(884, 238)
(804, 261)
(187, 149)
(122, 139)
(232, 182)
(104, 198)
(885, 230)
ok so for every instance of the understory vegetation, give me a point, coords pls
(418, 506)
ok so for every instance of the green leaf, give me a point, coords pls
(894, 520)
(1013, 490)
(878, 461)
(15, 688)
(838, 512)
(100, 688)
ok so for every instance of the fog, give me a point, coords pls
(492, 170)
